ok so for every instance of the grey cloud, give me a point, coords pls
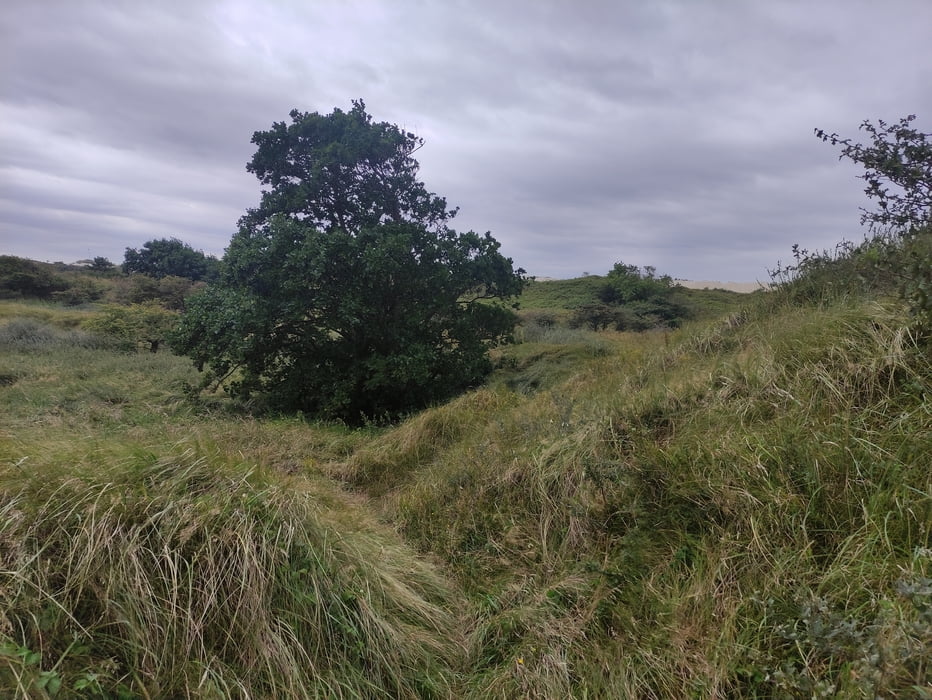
(672, 133)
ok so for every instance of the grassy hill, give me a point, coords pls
(558, 299)
(738, 508)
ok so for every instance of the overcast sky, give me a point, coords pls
(672, 133)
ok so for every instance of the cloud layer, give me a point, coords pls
(676, 134)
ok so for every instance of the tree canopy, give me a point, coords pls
(898, 171)
(165, 257)
(345, 294)
(341, 171)
(898, 155)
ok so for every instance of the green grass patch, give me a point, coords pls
(734, 512)
(741, 507)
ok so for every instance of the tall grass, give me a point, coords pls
(155, 547)
(736, 515)
(27, 334)
(740, 508)
(50, 314)
(187, 576)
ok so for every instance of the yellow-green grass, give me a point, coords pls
(52, 314)
(151, 546)
(736, 509)
(745, 513)
(551, 295)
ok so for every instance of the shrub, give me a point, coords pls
(596, 317)
(898, 172)
(20, 277)
(170, 256)
(80, 290)
(134, 325)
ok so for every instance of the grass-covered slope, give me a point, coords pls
(734, 509)
(744, 512)
(151, 549)
(558, 302)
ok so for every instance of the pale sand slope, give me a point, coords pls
(743, 287)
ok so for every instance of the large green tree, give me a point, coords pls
(345, 293)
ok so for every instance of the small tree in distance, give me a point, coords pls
(101, 264)
(165, 257)
(345, 294)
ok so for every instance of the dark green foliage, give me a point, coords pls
(898, 156)
(345, 295)
(20, 277)
(346, 326)
(916, 283)
(341, 171)
(170, 256)
(646, 300)
(627, 283)
(101, 264)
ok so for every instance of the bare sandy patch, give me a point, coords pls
(743, 287)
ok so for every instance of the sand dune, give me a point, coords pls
(744, 287)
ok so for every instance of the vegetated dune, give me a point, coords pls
(151, 547)
(743, 287)
(740, 508)
(737, 511)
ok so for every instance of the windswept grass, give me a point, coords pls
(184, 575)
(740, 508)
(745, 513)
(154, 546)
(49, 314)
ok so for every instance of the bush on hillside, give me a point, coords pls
(629, 283)
(135, 325)
(595, 317)
(20, 278)
(169, 291)
(898, 173)
(170, 256)
(81, 289)
(642, 299)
